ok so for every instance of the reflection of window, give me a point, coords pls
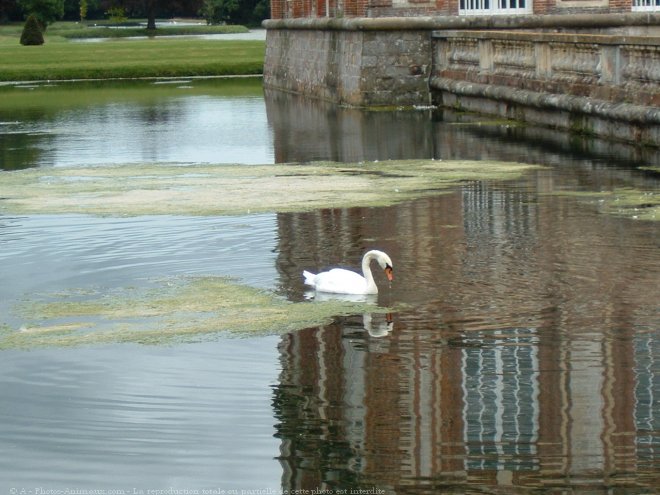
(647, 391)
(501, 393)
(646, 5)
(479, 7)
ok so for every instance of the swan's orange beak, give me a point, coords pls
(388, 273)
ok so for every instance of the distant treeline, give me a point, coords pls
(245, 12)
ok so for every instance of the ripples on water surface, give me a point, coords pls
(527, 354)
(85, 124)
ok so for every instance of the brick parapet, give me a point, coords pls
(540, 22)
(287, 9)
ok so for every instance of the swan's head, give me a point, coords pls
(385, 263)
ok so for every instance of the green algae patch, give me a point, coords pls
(624, 202)
(174, 189)
(171, 311)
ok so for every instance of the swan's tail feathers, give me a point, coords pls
(310, 278)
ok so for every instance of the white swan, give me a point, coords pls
(340, 281)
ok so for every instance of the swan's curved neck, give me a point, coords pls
(366, 271)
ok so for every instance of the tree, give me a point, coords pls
(150, 11)
(80, 10)
(219, 11)
(152, 8)
(32, 32)
(246, 12)
(251, 12)
(9, 11)
(46, 11)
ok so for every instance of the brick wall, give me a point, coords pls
(277, 9)
(285, 9)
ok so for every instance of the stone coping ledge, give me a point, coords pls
(431, 23)
(624, 112)
(541, 37)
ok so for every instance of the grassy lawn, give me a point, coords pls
(59, 58)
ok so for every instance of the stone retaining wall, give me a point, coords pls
(515, 67)
(597, 84)
(623, 69)
(351, 67)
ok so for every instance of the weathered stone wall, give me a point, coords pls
(523, 68)
(615, 68)
(323, 64)
(352, 67)
(597, 84)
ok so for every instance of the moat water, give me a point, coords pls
(526, 355)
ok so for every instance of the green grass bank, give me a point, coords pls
(171, 56)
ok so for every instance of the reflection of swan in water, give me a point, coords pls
(381, 329)
(356, 298)
(340, 281)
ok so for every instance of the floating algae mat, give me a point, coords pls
(235, 189)
(171, 311)
(630, 203)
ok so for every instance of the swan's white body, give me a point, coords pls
(340, 281)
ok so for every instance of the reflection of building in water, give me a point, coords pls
(458, 393)
(501, 399)
(310, 130)
(306, 129)
(478, 412)
(647, 396)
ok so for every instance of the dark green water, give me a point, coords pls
(525, 358)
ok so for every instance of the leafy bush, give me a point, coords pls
(117, 14)
(32, 32)
(245, 12)
(83, 10)
(219, 11)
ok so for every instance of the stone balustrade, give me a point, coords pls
(591, 83)
(606, 67)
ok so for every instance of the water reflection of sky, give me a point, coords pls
(183, 121)
(129, 418)
(187, 416)
(46, 253)
(201, 129)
